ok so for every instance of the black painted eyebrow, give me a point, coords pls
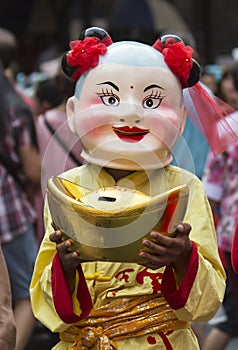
(152, 86)
(110, 83)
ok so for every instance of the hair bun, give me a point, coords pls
(96, 32)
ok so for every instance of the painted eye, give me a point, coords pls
(152, 102)
(110, 100)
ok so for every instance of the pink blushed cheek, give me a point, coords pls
(94, 121)
(165, 125)
(88, 113)
(94, 101)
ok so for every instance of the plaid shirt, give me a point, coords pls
(16, 212)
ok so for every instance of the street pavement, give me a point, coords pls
(233, 345)
(42, 338)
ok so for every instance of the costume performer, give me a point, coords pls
(128, 110)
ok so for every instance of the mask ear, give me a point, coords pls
(70, 111)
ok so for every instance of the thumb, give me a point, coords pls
(184, 228)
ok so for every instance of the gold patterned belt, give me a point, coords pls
(121, 319)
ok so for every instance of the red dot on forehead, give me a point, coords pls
(131, 87)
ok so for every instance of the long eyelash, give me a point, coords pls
(106, 93)
(157, 94)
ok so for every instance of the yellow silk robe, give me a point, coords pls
(196, 299)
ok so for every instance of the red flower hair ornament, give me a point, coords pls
(178, 57)
(84, 54)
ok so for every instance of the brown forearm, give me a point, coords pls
(7, 323)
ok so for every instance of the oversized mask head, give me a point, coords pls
(128, 108)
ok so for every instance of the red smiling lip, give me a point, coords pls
(129, 134)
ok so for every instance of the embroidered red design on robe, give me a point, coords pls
(123, 275)
(155, 277)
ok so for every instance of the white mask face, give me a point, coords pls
(128, 117)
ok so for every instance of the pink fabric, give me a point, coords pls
(234, 251)
(55, 160)
(213, 117)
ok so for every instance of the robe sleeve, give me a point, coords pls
(51, 299)
(201, 292)
(62, 297)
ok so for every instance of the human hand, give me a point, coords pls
(162, 250)
(69, 259)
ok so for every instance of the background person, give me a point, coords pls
(7, 321)
(54, 136)
(220, 181)
(20, 173)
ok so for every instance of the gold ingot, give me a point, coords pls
(110, 223)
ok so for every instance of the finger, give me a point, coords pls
(162, 254)
(64, 246)
(56, 236)
(153, 261)
(154, 247)
(69, 261)
(183, 228)
(71, 258)
(161, 239)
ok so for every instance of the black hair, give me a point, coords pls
(47, 90)
(12, 102)
(8, 47)
(234, 74)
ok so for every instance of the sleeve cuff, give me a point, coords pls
(62, 297)
(177, 297)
